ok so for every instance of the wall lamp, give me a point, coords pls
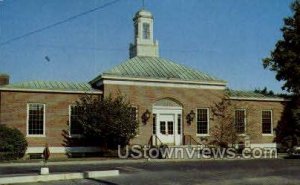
(190, 117)
(146, 116)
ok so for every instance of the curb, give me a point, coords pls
(114, 161)
(56, 177)
(102, 162)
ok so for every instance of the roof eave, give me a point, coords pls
(274, 99)
(111, 77)
(51, 90)
(95, 80)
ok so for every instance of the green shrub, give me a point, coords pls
(13, 144)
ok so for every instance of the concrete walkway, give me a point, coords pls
(78, 161)
(72, 162)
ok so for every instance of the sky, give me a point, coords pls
(225, 38)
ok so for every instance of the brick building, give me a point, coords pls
(172, 102)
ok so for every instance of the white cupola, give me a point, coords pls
(144, 44)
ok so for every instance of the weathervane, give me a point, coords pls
(143, 3)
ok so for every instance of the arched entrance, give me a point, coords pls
(167, 128)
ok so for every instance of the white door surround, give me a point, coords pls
(168, 124)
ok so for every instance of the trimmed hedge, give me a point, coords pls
(13, 144)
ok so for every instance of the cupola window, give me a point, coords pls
(146, 31)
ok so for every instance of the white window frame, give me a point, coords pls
(265, 134)
(245, 121)
(137, 120)
(208, 122)
(70, 134)
(44, 121)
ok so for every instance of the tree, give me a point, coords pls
(108, 121)
(264, 91)
(288, 128)
(224, 132)
(13, 144)
(285, 58)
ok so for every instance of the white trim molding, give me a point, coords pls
(63, 149)
(259, 99)
(223, 83)
(50, 91)
(263, 145)
(162, 83)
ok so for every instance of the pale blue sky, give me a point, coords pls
(225, 38)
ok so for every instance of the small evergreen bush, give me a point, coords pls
(13, 144)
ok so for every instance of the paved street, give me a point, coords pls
(248, 172)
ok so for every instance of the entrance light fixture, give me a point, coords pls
(190, 117)
(146, 116)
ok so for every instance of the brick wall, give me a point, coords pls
(144, 97)
(14, 114)
(14, 111)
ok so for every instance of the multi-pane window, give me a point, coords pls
(179, 124)
(146, 31)
(75, 126)
(133, 113)
(266, 120)
(36, 118)
(134, 116)
(163, 127)
(170, 127)
(240, 121)
(154, 124)
(202, 121)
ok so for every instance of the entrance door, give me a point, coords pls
(166, 128)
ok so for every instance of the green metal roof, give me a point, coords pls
(50, 85)
(156, 68)
(248, 94)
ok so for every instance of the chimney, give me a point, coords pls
(4, 79)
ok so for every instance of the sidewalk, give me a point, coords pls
(84, 161)
(77, 161)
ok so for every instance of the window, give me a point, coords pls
(266, 120)
(146, 31)
(36, 119)
(136, 30)
(240, 121)
(133, 113)
(170, 127)
(134, 116)
(202, 121)
(154, 124)
(179, 123)
(163, 127)
(75, 126)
